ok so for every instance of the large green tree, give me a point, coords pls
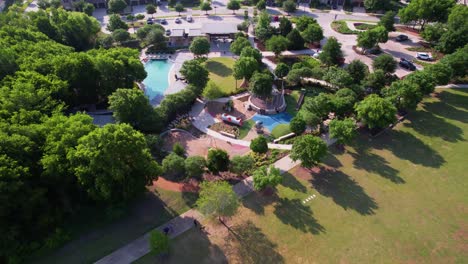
(313, 33)
(200, 46)
(116, 6)
(343, 130)
(309, 150)
(424, 11)
(245, 67)
(456, 35)
(331, 53)
(266, 177)
(376, 112)
(239, 44)
(386, 63)
(358, 70)
(217, 199)
(194, 73)
(113, 163)
(371, 38)
(405, 95)
(259, 144)
(377, 4)
(296, 42)
(277, 44)
(388, 21)
(233, 5)
(285, 26)
(261, 84)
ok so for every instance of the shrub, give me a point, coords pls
(173, 166)
(218, 160)
(178, 149)
(297, 125)
(159, 242)
(242, 164)
(195, 166)
(259, 145)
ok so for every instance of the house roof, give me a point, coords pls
(217, 28)
(195, 32)
(177, 33)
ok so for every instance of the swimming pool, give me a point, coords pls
(157, 81)
(271, 121)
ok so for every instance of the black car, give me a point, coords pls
(163, 21)
(401, 38)
(149, 21)
(404, 63)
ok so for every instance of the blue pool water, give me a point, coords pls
(157, 80)
(271, 121)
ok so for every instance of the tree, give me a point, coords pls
(388, 21)
(195, 166)
(295, 76)
(285, 26)
(441, 72)
(338, 77)
(104, 159)
(157, 39)
(404, 95)
(116, 23)
(120, 35)
(331, 52)
(261, 5)
(266, 177)
(178, 149)
(377, 4)
(151, 9)
(179, 8)
(88, 9)
(217, 160)
(456, 35)
(370, 38)
(296, 42)
(8, 64)
(376, 112)
(259, 144)
(173, 166)
(342, 130)
(311, 119)
(457, 61)
(264, 20)
(212, 91)
(309, 150)
(233, 5)
(217, 199)
(376, 80)
(313, 33)
(386, 63)
(241, 165)
(194, 73)
(263, 34)
(343, 101)
(116, 6)
(159, 242)
(297, 125)
(358, 70)
(277, 44)
(424, 80)
(426, 11)
(205, 6)
(253, 53)
(320, 105)
(289, 6)
(281, 70)
(433, 32)
(303, 22)
(239, 44)
(245, 67)
(261, 84)
(200, 46)
(131, 106)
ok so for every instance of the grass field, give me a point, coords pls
(399, 198)
(245, 128)
(100, 237)
(280, 130)
(221, 73)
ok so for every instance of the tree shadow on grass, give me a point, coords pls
(252, 245)
(374, 163)
(428, 124)
(406, 146)
(294, 213)
(344, 191)
(292, 183)
(258, 202)
(218, 68)
(456, 98)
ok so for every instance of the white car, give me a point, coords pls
(424, 56)
(189, 19)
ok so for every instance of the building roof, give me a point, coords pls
(217, 28)
(177, 33)
(195, 32)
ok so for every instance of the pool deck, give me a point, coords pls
(177, 61)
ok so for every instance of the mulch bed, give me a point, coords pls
(191, 185)
(409, 30)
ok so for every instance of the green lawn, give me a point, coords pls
(291, 102)
(244, 130)
(100, 237)
(221, 73)
(399, 198)
(280, 130)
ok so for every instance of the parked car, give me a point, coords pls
(150, 21)
(335, 6)
(163, 21)
(189, 19)
(407, 64)
(168, 32)
(424, 56)
(401, 38)
(178, 21)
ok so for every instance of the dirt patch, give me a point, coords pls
(216, 109)
(408, 30)
(304, 173)
(200, 146)
(191, 185)
(461, 237)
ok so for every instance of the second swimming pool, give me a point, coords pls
(271, 121)
(157, 81)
